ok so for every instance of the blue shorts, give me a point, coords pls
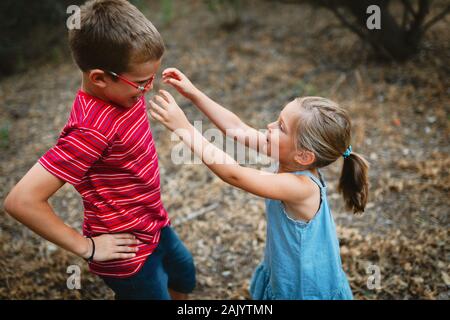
(170, 266)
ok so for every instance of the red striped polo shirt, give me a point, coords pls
(108, 154)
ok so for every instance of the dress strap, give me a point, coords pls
(319, 181)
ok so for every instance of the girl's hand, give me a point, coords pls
(179, 81)
(165, 109)
(113, 246)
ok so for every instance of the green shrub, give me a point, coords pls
(32, 32)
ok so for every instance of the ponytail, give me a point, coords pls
(353, 183)
(325, 129)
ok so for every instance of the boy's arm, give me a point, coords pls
(228, 122)
(28, 203)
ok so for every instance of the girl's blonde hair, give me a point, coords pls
(324, 128)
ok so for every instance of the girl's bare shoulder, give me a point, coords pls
(307, 204)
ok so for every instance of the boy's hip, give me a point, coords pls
(170, 265)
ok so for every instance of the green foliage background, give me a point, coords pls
(33, 31)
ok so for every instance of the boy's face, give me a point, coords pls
(123, 93)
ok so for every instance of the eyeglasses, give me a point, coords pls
(138, 86)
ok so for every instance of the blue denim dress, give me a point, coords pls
(301, 259)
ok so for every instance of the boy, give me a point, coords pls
(107, 153)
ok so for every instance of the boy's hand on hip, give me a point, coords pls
(179, 81)
(113, 246)
(164, 108)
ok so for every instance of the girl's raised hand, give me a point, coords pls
(164, 108)
(179, 81)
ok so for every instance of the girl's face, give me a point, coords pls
(281, 134)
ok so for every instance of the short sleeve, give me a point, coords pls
(74, 154)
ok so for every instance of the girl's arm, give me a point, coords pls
(280, 186)
(28, 203)
(228, 122)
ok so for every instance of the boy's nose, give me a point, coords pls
(148, 88)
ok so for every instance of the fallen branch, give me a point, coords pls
(195, 214)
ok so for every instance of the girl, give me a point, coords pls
(302, 259)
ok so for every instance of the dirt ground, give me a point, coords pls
(400, 116)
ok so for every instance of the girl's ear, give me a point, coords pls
(305, 158)
(97, 78)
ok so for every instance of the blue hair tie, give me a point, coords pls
(347, 152)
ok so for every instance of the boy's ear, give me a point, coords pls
(97, 77)
(305, 157)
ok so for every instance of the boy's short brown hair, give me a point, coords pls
(114, 34)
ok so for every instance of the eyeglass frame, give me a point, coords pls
(132, 83)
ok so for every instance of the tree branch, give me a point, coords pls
(345, 22)
(422, 11)
(365, 37)
(409, 7)
(438, 17)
